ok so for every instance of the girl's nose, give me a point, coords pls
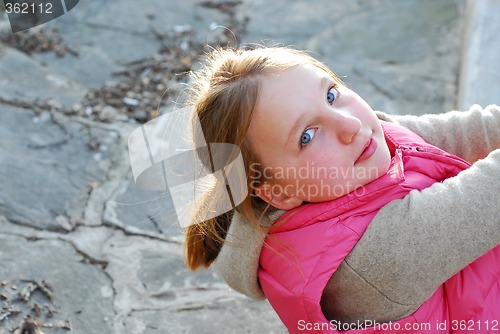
(347, 127)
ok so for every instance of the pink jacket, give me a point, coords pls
(306, 246)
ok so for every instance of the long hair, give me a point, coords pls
(224, 94)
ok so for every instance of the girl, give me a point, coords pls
(353, 221)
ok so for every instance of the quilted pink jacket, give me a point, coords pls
(306, 246)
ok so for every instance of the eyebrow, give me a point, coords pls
(295, 128)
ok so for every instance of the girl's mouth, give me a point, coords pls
(368, 150)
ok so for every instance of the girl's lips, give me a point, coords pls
(368, 151)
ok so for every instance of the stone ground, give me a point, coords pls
(82, 249)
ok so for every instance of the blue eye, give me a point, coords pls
(307, 136)
(331, 95)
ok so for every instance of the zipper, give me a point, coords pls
(431, 150)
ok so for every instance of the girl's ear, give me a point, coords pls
(275, 196)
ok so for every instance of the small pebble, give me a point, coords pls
(130, 101)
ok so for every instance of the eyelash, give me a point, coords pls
(334, 87)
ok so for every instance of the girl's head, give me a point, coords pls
(303, 135)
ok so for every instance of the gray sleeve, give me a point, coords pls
(470, 134)
(415, 244)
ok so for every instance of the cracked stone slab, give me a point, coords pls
(155, 13)
(50, 168)
(143, 211)
(150, 274)
(24, 78)
(105, 45)
(156, 294)
(149, 288)
(230, 316)
(80, 289)
(152, 291)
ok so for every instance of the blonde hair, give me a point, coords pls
(223, 95)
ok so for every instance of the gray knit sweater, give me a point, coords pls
(413, 244)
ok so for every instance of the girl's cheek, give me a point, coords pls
(323, 139)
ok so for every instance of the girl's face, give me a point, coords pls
(315, 140)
